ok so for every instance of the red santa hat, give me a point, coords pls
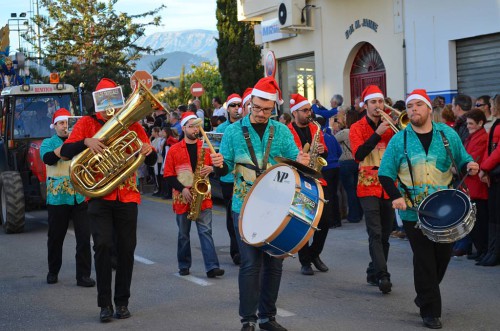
(297, 101)
(419, 94)
(247, 95)
(61, 114)
(105, 83)
(187, 116)
(233, 98)
(267, 88)
(370, 92)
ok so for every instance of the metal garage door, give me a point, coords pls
(478, 65)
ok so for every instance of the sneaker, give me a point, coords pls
(271, 325)
(85, 282)
(384, 285)
(215, 272)
(184, 271)
(51, 278)
(122, 312)
(248, 326)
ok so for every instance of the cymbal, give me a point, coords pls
(299, 166)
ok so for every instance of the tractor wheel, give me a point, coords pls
(12, 202)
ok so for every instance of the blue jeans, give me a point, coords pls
(257, 290)
(204, 227)
(349, 180)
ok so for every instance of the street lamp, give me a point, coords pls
(20, 28)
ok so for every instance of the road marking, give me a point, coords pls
(193, 279)
(142, 259)
(284, 313)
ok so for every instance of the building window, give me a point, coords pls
(297, 75)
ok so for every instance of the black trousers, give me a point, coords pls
(379, 217)
(479, 233)
(332, 208)
(312, 250)
(430, 260)
(227, 195)
(59, 217)
(108, 217)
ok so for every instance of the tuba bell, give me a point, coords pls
(98, 175)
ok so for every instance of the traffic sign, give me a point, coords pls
(270, 64)
(142, 75)
(197, 90)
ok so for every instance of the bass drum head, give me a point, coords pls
(450, 210)
(267, 204)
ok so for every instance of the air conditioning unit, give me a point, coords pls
(292, 14)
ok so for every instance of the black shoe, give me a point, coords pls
(492, 261)
(249, 326)
(432, 322)
(51, 278)
(184, 271)
(237, 259)
(215, 272)
(85, 282)
(480, 257)
(106, 314)
(122, 312)
(306, 270)
(372, 280)
(319, 264)
(473, 256)
(271, 325)
(384, 285)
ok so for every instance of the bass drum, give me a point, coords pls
(281, 211)
(455, 216)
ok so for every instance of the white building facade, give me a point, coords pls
(326, 47)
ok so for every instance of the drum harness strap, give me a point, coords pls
(403, 185)
(255, 166)
(448, 151)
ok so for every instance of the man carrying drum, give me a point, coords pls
(248, 147)
(418, 158)
(304, 132)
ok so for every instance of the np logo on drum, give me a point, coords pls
(281, 177)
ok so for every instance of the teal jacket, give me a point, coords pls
(60, 190)
(235, 151)
(431, 171)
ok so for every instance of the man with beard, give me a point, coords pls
(304, 131)
(417, 156)
(369, 138)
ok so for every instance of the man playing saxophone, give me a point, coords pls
(306, 131)
(114, 214)
(186, 169)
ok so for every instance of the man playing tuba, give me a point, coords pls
(115, 213)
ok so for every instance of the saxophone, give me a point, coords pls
(317, 162)
(201, 187)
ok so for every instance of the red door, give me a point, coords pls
(367, 69)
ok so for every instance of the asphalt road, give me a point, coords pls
(162, 300)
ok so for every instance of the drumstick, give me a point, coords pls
(423, 212)
(198, 122)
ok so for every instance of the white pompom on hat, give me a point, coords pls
(297, 101)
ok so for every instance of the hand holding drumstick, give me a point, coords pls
(217, 158)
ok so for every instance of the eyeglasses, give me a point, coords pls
(305, 110)
(480, 104)
(234, 105)
(259, 109)
(192, 126)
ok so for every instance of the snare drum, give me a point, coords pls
(455, 216)
(281, 211)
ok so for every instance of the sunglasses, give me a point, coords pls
(235, 105)
(480, 104)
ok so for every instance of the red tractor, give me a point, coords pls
(26, 114)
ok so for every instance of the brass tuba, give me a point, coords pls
(96, 175)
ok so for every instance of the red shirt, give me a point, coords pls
(178, 164)
(368, 183)
(476, 144)
(492, 160)
(87, 127)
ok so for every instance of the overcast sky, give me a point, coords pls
(179, 14)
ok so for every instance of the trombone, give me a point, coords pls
(402, 118)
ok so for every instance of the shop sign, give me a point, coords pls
(271, 31)
(364, 23)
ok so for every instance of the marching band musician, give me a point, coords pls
(113, 214)
(234, 109)
(248, 146)
(418, 157)
(64, 204)
(369, 138)
(304, 131)
(181, 172)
